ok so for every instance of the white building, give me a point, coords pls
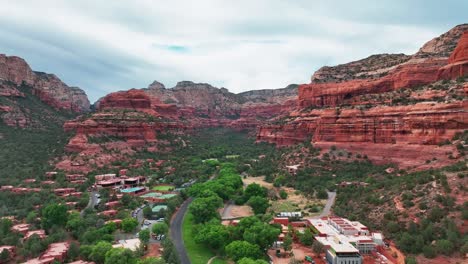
(344, 240)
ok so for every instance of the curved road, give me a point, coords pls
(176, 232)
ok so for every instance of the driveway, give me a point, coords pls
(176, 232)
(328, 205)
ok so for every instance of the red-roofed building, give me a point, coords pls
(11, 250)
(57, 251)
(109, 183)
(51, 174)
(112, 204)
(29, 180)
(47, 182)
(116, 221)
(63, 191)
(109, 213)
(75, 177)
(81, 262)
(40, 233)
(104, 177)
(21, 228)
(6, 188)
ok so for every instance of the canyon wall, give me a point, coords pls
(392, 108)
(17, 79)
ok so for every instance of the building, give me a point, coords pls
(21, 228)
(81, 262)
(344, 240)
(110, 183)
(339, 251)
(57, 251)
(109, 213)
(63, 191)
(11, 250)
(40, 233)
(133, 190)
(103, 177)
(112, 204)
(292, 169)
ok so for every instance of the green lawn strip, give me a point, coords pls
(163, 188)
(198, 254)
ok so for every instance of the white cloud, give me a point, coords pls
(104, 46)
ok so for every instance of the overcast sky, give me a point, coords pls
(105, 46)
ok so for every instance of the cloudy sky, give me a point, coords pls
(104, 46)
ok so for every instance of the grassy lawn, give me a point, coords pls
(284, 206)
(198, 254)
(163, 188)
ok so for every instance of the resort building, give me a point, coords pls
(133, 190)
(11, 250)
(21, 228)
(344, 240)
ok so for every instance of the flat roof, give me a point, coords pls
(130, 190)
(323, 227)
(151, 195)
(167, 196)
(337, 245)
(158, 208)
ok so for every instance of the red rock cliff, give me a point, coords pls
(458, 61)
(377, 107)
(14, 71)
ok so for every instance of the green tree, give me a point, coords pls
(410, 260)
(85, 251)
(287, 243)
(237, 250)
(169, 254)
(322, 194)
(255, 189)
(147, 212)
(258, 204)
(4, 256)
(261, 234)
(283, 194)
(317, 247)
(444, 246)
(307, 238)
(214, 235)
(99, 251)
(129, 224)
(54, 214)
(144, 236)
(73, 251)
(429, 251)
(204, 209)
(160, 228)
(120, 256)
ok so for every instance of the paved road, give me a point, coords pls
(92, 201)
(227, 210)
(176, 232)
(329, 204)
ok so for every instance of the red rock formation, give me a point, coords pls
(458, 61)
(409, 74)
(404, 134)
(14, 71)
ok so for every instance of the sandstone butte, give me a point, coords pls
(407, 135)
(14, 72)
